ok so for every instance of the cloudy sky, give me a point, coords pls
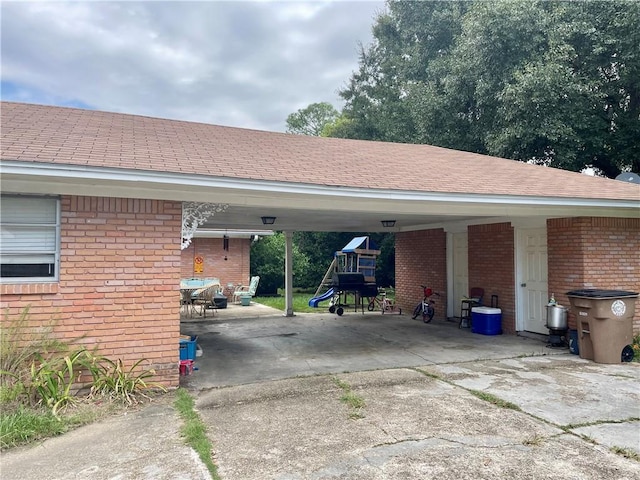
(237, 63)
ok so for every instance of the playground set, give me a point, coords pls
(352, 273)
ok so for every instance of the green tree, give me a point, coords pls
(267, 261)
(407, 39)
(555, 83)
(312, 119)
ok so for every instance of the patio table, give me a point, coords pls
(190, 289)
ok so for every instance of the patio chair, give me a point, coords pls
(186, 301)
(249, 290)
(204, 299)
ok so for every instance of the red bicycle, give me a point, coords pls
(426, 305)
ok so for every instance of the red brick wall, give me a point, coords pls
(491, 266)
(119, 281)
(230, 266)
(421, 259)
(588, 252)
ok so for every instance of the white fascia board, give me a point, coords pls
(79, 180)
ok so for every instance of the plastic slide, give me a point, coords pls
(325, 296)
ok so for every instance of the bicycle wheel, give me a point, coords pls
(417, 311)
(372, 305)
(427, 314)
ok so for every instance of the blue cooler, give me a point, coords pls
(486, 320)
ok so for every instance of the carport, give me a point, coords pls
(128, 190)
(510, 194)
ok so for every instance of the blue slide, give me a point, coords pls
(325, 296)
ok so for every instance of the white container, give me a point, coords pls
(486, 310)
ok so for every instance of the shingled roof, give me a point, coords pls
(69, 136)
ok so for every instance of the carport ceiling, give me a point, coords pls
(411, 212)
(304, 207)
(238, 217)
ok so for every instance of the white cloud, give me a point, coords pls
(246, 64)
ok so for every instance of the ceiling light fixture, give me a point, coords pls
(388, 223)
(268, 220)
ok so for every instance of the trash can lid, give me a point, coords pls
(599, 293)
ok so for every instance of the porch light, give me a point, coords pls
(388, 223)
(268, 220)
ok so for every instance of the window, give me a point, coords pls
(29, 238)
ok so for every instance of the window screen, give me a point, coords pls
(29, 233)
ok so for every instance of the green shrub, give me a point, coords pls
(40, 376)
(20, 345)
(113, 380)
(52, 380)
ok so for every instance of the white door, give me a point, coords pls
(460, 269)
(532, 279)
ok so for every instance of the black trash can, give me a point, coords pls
(604, 324)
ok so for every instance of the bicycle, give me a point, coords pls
(382, 302)
(377, 302)
(425, 307)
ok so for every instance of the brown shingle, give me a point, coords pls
(57, 135)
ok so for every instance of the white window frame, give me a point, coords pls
(45, 226)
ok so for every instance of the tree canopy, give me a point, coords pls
(553, 83)
(312, 119)
(267, 260)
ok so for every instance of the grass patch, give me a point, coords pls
(195, 431)
(572, 426)
(21, 424)
(300, 303)
(497, 401)
(627, 453)
(427, 374)
(354, 401)
(534, 441)
(25, 425)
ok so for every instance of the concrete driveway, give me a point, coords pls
(438, 401)
(255, 344)
(366, 397)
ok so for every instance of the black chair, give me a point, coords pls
(473, 300)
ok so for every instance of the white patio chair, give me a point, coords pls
(249, 290)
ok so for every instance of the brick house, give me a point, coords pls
(94, 203)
